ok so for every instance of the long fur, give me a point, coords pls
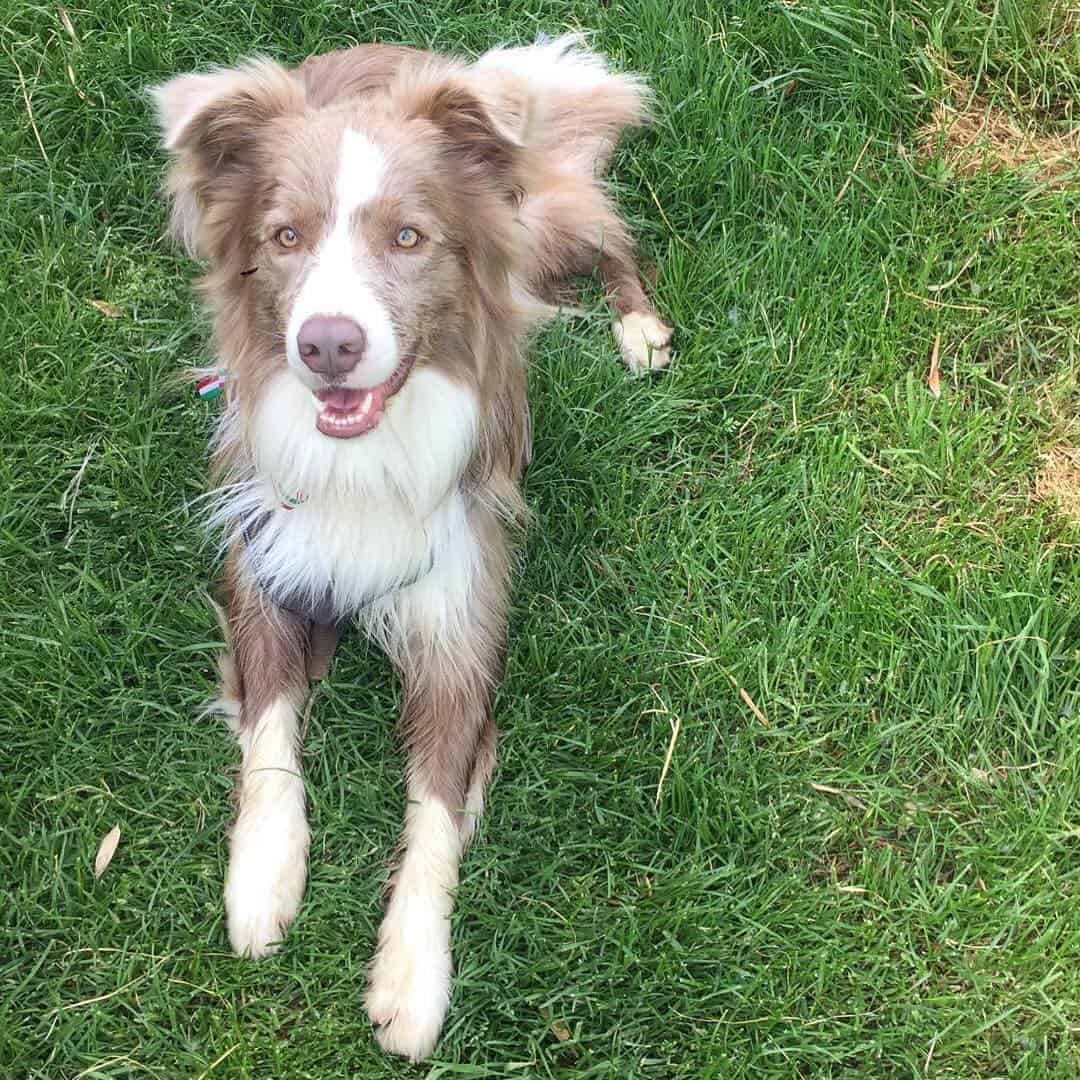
(402, 527)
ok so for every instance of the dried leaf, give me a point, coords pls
(106, 851)
(560, 1031)
(827, 788)
(933, 380)
(851, 800)
(558, 1027)
(65, 21)
(75, 86)
(110, 311)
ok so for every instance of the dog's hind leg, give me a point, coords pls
(566, 105)
(449, 649)
(643, 339)
(575, 229)
(266, 675)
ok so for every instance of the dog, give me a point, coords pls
(382, 228)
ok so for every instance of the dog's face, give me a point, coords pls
(344, 242)
(357, 267)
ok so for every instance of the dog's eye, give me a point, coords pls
(287, 237)
(407, 238)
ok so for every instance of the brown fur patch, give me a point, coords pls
(447, 696)
(268, 647)
(356, 72)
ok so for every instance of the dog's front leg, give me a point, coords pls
(450, 657)
(266, 680)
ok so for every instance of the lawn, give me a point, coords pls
(791, 758)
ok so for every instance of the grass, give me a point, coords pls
(841, 589)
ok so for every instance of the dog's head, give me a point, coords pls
(350, 245)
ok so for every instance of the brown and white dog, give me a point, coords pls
(382, 228)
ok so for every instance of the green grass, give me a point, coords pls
(884, 880)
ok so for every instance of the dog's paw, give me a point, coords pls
(409, 983)
(644, 341)
(266, 879)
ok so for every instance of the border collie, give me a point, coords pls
(382, 227)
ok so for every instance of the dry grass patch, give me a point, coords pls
(1059, 480)
(971, 133)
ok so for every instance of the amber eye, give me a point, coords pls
(407, 238)
(287, 237)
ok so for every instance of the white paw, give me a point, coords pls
(267, 875)
(644, 341)
(409, 982)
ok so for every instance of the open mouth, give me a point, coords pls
(345, 413)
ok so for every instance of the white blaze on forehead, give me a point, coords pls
(361, 166)
(339, 282)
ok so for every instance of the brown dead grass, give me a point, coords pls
(1059, 480)
(972, 134)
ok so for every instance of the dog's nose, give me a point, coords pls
(330, 344)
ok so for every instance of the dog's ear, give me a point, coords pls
(210, 123)
(473, 138)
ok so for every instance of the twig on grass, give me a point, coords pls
(214, 1064)
(71, 492)
(750, 704)
(929, 302)
(955, 278)
(29, 109)
(671, 227)
(119, 990)
(854, 169)
(676, 726)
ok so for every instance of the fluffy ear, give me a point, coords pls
(210, 124)
(473, 137)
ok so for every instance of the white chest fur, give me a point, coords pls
(380, 511)
(351, 549)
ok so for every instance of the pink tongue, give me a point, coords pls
(340, 398)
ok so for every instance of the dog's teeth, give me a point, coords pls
(335, 419)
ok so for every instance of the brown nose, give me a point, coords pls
(330, 344)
